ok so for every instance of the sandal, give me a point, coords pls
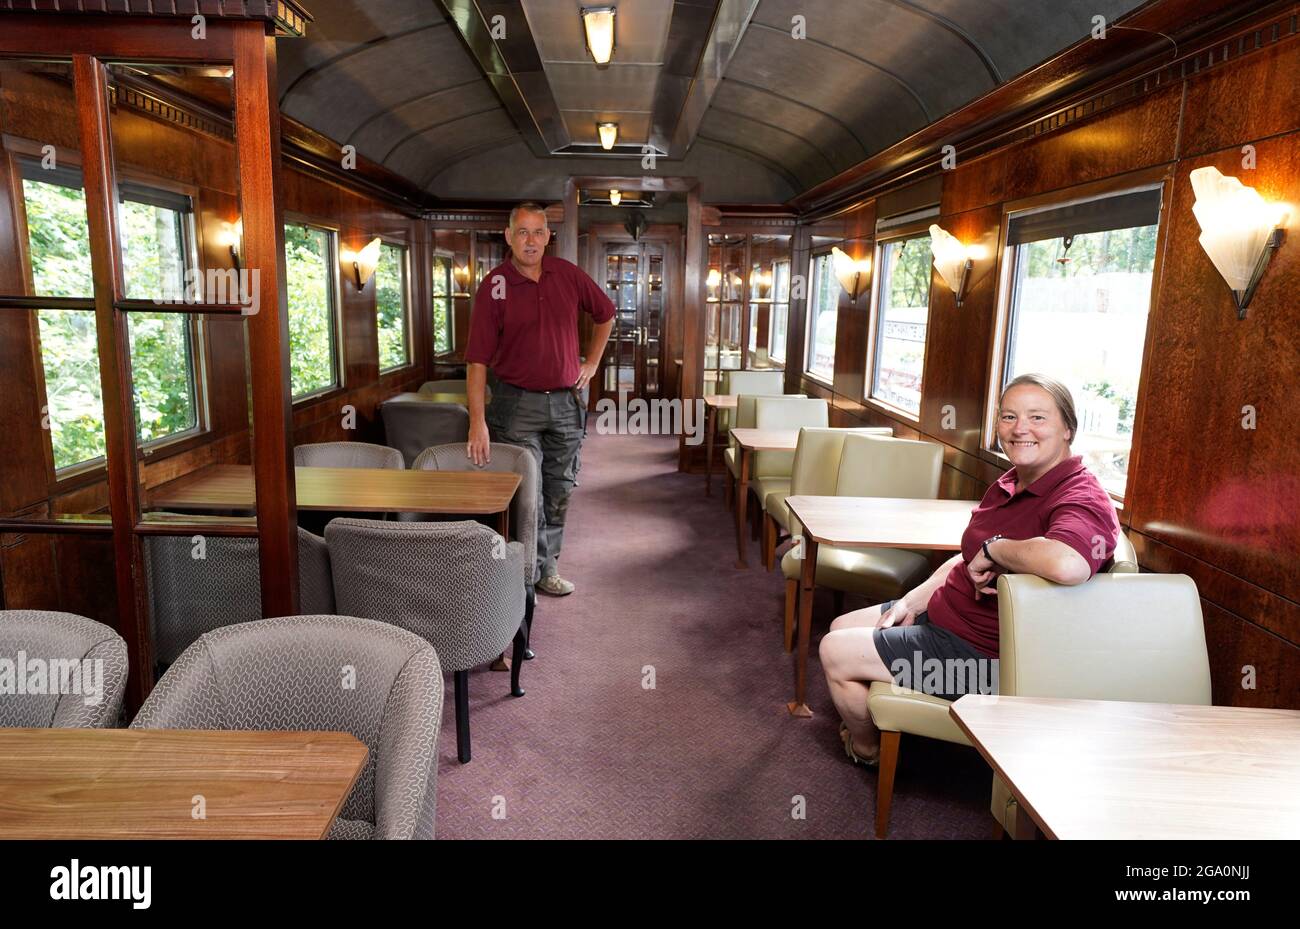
(847, 738)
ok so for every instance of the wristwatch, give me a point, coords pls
(985, 546)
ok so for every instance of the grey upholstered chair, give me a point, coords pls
(411, 426)
(284, 675)
(455, 584)
(445, 386)
(524, 511)
(189, 596)
(81, 701)
(347, 455)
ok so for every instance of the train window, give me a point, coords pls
(1081, 280)
(391, 307)
(443, 313)
(902, 315)
(313, 309)
(823, 310)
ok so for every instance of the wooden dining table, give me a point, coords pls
(413, 397)
(712, 404)
(173, 784)
(1108, 769)
(226, 487)
(749, 441)
(862, 522)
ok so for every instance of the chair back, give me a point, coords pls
(347, 455)
(764, 383)
(879, 466)
(785, 413)
(88, 696)
(1136, 637)
(447, 386)
(455, 584)
(1125, 559)
(816, 467)
(332, 673)
(193, 591)
(508, 458)
(411, 426)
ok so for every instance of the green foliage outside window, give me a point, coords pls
(442, 311)
(161, 351)
(390, 306)
(309, 273)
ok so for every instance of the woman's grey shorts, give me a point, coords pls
(933, 660)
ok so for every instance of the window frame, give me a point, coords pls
(875, 319)
(19, 150)
(332, 232)
(410, 361)
(450, 258)
(1161, 176)
(811, 317)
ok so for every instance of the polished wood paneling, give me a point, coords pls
(1229, 106)
(1222, 493)
(975, 183)
(1248, 666)
(1135, 136)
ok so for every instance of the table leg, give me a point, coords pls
(1024, 827)
(710, 428)
(503, 524)
(742, 499)
(807, 585)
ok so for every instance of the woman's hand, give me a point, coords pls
(983, 573)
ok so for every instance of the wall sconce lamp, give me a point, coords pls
(853, 274)
(1240, 230)
(615, 197)
(363, 262)
(598, 23)
(231, 236)
(713, 282)
(461, 275)
(952, 260)
(608, 134)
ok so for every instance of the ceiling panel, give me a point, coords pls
(630, 87)
(640, 30)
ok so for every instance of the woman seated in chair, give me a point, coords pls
(1047, 516)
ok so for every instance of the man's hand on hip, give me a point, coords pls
(588, 372)
(479, 448)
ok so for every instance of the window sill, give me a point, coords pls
(326, 393)
(819, 379)
(891, 410)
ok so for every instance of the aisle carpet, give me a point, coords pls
(709, 751)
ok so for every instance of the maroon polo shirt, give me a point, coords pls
(527, 331)
(1067, 504)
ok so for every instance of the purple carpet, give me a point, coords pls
(710, 751)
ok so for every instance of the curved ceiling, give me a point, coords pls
(405, 82)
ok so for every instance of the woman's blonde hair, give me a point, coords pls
(1060, 395)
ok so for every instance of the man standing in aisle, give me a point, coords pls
(524, 327)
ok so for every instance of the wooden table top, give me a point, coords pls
(890, 522)
(721, 401)
(767, 440)
(141, 783)
(366, 490)
(411, 396)
(1094, 769)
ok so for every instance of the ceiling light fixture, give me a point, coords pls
(853, 273)
(598, 23)
(608, 134)
(1240, 230)
(615, 197)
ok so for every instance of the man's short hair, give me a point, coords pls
(529, 207)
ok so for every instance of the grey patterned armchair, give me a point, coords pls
(347, 455)
(189, 596)
(454, 584)
(523, 510)
(44, 635)
(411, 426)
(286, 674)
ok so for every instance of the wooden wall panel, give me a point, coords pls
(974, 184)
(1223, 493)
(1237, 647)
(1130, 137)
(1227, 107)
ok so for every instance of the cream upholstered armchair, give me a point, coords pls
(756, 383)
(815, 470)
(1134, 637)
(896, 710)
(769, 472)
(746, 418)
(871, 466)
